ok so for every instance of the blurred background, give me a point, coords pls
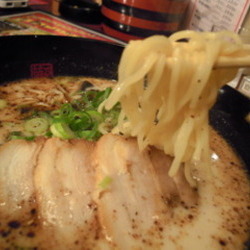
(123, 20)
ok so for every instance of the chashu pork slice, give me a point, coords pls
(17, 196)
(64, 180)
(130, 208)
(175, 190)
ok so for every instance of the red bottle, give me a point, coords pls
(133, 19)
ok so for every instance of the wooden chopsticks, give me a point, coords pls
(241, 61)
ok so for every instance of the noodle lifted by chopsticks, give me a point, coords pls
(166, 89)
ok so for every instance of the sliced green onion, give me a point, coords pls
(15, 135)
(55, 113)
(80, 120)
(37, 125)
(27, 133)
(66, 109)
(22, 248)
(101, 96)
(105, 183)
(3, 103)
(46, 116)
(48, 134)
(85, 134)
(18, 135)
(29, 138)
(62, 130)
(95, 115)
(90, 134)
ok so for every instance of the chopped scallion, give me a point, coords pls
(62, 130)
(3, 103)
(79, 119)
(105, 183)
(37, 125)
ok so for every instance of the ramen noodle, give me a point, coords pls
(166, 87)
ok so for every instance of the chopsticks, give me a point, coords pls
(241, 61)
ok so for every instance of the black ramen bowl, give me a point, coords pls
(48, 56)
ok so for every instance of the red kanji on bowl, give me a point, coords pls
(41, 70)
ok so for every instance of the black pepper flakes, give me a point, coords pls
(156, 120)
(33, 211)
(31, 234)
(139, 105)
(145, 82)
(14, 224)
(222, 242)
(4, 234)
